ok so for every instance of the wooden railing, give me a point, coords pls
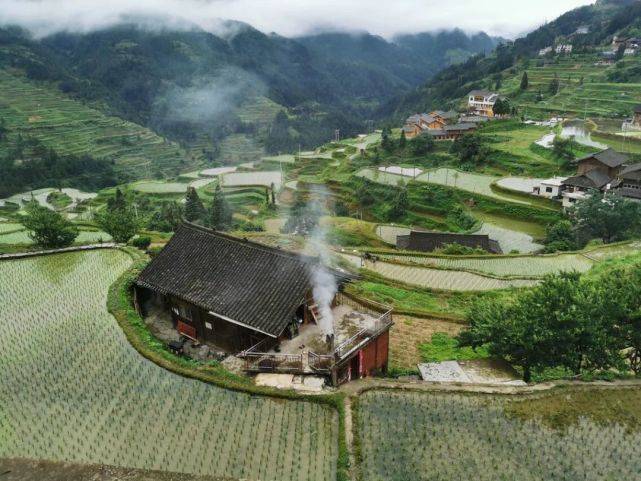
(256, 361)
(320, 362)
(268, 362)
(382, 323)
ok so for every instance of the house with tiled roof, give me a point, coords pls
(597, 171)
(261, 304)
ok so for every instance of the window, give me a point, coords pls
(548, 189)
(208, 325)
(183, 311)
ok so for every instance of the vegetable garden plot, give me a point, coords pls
(73, 389)
(428, 436)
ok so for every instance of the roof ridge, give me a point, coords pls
(250, 243)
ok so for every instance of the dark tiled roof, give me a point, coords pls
(632, 169)
(461, 126)
(446, 115)
(430, 241)
(594, 179)
(608, 157)
(249, 283)
(631, 193)
(480, 92)
(637, 109)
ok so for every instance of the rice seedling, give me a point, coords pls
(74, 390)
(438, 436)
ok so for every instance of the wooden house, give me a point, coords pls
(628, 184)
(427, 241)
(251, 300)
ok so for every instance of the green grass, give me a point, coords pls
(445, 348)
(70, 127)
(443, 436)
(73, 389)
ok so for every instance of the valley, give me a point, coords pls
(335, 256)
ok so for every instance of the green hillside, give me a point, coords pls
(38, 111)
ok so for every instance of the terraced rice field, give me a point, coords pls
(443, 279)
(84, 237)
(526, 266)
(6, 227)
(510, 240)
(70, 127)
(475, 183)
(239, 179)
(520, 184)
(440, 279)
(389, 232)
(74, 390)
(440, 436)
(595, 97)
(238, 148)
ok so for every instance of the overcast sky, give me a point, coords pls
(508, 18)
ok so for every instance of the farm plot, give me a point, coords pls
(527, 266)
(520, 184)
(74, 390)
(239, 179)
(389, 232)
(573, 435)
(21, 237)
(442, 279)
(510, 240)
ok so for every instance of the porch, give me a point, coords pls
(310, 352)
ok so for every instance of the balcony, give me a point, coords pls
(355, 324)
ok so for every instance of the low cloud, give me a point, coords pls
(209, 98)
(287, 17)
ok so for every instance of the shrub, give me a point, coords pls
(141, 242)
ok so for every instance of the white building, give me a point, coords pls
(550, 188)
(564, 48)
(544, 51)
(481, 102)
(570, 198)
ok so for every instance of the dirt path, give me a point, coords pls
(349, 436)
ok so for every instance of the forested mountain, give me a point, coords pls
(144, 75)
(603, 19)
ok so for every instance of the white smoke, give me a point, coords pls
(324, 285)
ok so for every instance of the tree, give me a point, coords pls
(564, 148)
(3, 129)
(400, 203)
(502, 107)
(119, 219)
(554, 85)
(168, 218)
(560, 236)
(221, 213)
(619, 53)
(386, 142)
(194, 208)
(47, 228)
(560, 323)
(608, 217)
(525, 82)
(470, 149)
(402, 141)
(422, 144)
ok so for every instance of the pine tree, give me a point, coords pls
(221, 214)
(402, 142)
(554, 85)
(525, 82)
(194, 209)
(117, 202)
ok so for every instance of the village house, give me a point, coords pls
(563, 48)
(443, 117)
(550, 188)
(481, 102)
(628, 183)
(594, 172)
(427, 241)
(257, 303)
(544, 51)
